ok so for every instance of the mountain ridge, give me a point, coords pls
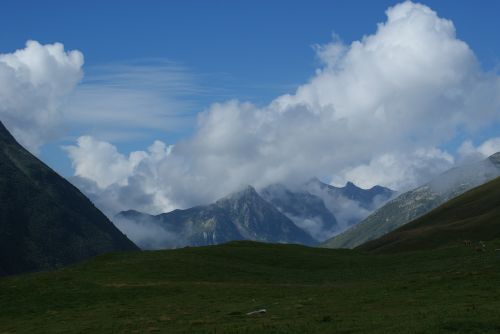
(417, 202)
(242, 215)
(46, 222)
(350, 204)
(306, 210)
(466, 219)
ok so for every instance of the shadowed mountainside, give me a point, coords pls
(45, 222)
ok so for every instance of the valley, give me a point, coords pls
(241, 167)
(303, 290)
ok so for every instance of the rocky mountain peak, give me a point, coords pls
(248, 194)
(351, 186)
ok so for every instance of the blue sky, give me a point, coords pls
(189, 54)
(234, 37)
(253, 50)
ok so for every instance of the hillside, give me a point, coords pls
(45, 222)
(417, 202)
(303, 290)
(474, 216)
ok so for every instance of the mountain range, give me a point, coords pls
(307, 211)
(274, 214)
(244, 215)
(417, 202)
(350, 204)
(324, 210)
(45, 222)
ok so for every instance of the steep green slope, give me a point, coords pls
(45, 222)
(473, 216)
(415, 203)
(304, 290)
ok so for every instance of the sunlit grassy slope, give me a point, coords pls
(472, 216)
(304, 290)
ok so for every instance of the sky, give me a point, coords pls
(161, 105)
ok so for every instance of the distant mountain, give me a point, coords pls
(472, 216)
(418, 202)
(365, 197)
(306, 210)
(350, 204)
(244, 215)
(45, 222)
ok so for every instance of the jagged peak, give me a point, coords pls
(350, 185)
(247, 192)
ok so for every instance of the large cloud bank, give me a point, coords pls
(34, 84)
(376, 112)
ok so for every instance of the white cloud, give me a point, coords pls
(43, 97)
(34, 83)
(490, 147)
(468, 151)
(374, 113)
(117, 182)
(403, 171)
(148, 234)
(101, 162)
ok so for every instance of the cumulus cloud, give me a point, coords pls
(376, 112)
(44, 96)
(117, 182)
(469, 152)
(34, 84)
(403, 171)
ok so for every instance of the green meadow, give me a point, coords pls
(303, 290)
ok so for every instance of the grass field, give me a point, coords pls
(304, 290)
